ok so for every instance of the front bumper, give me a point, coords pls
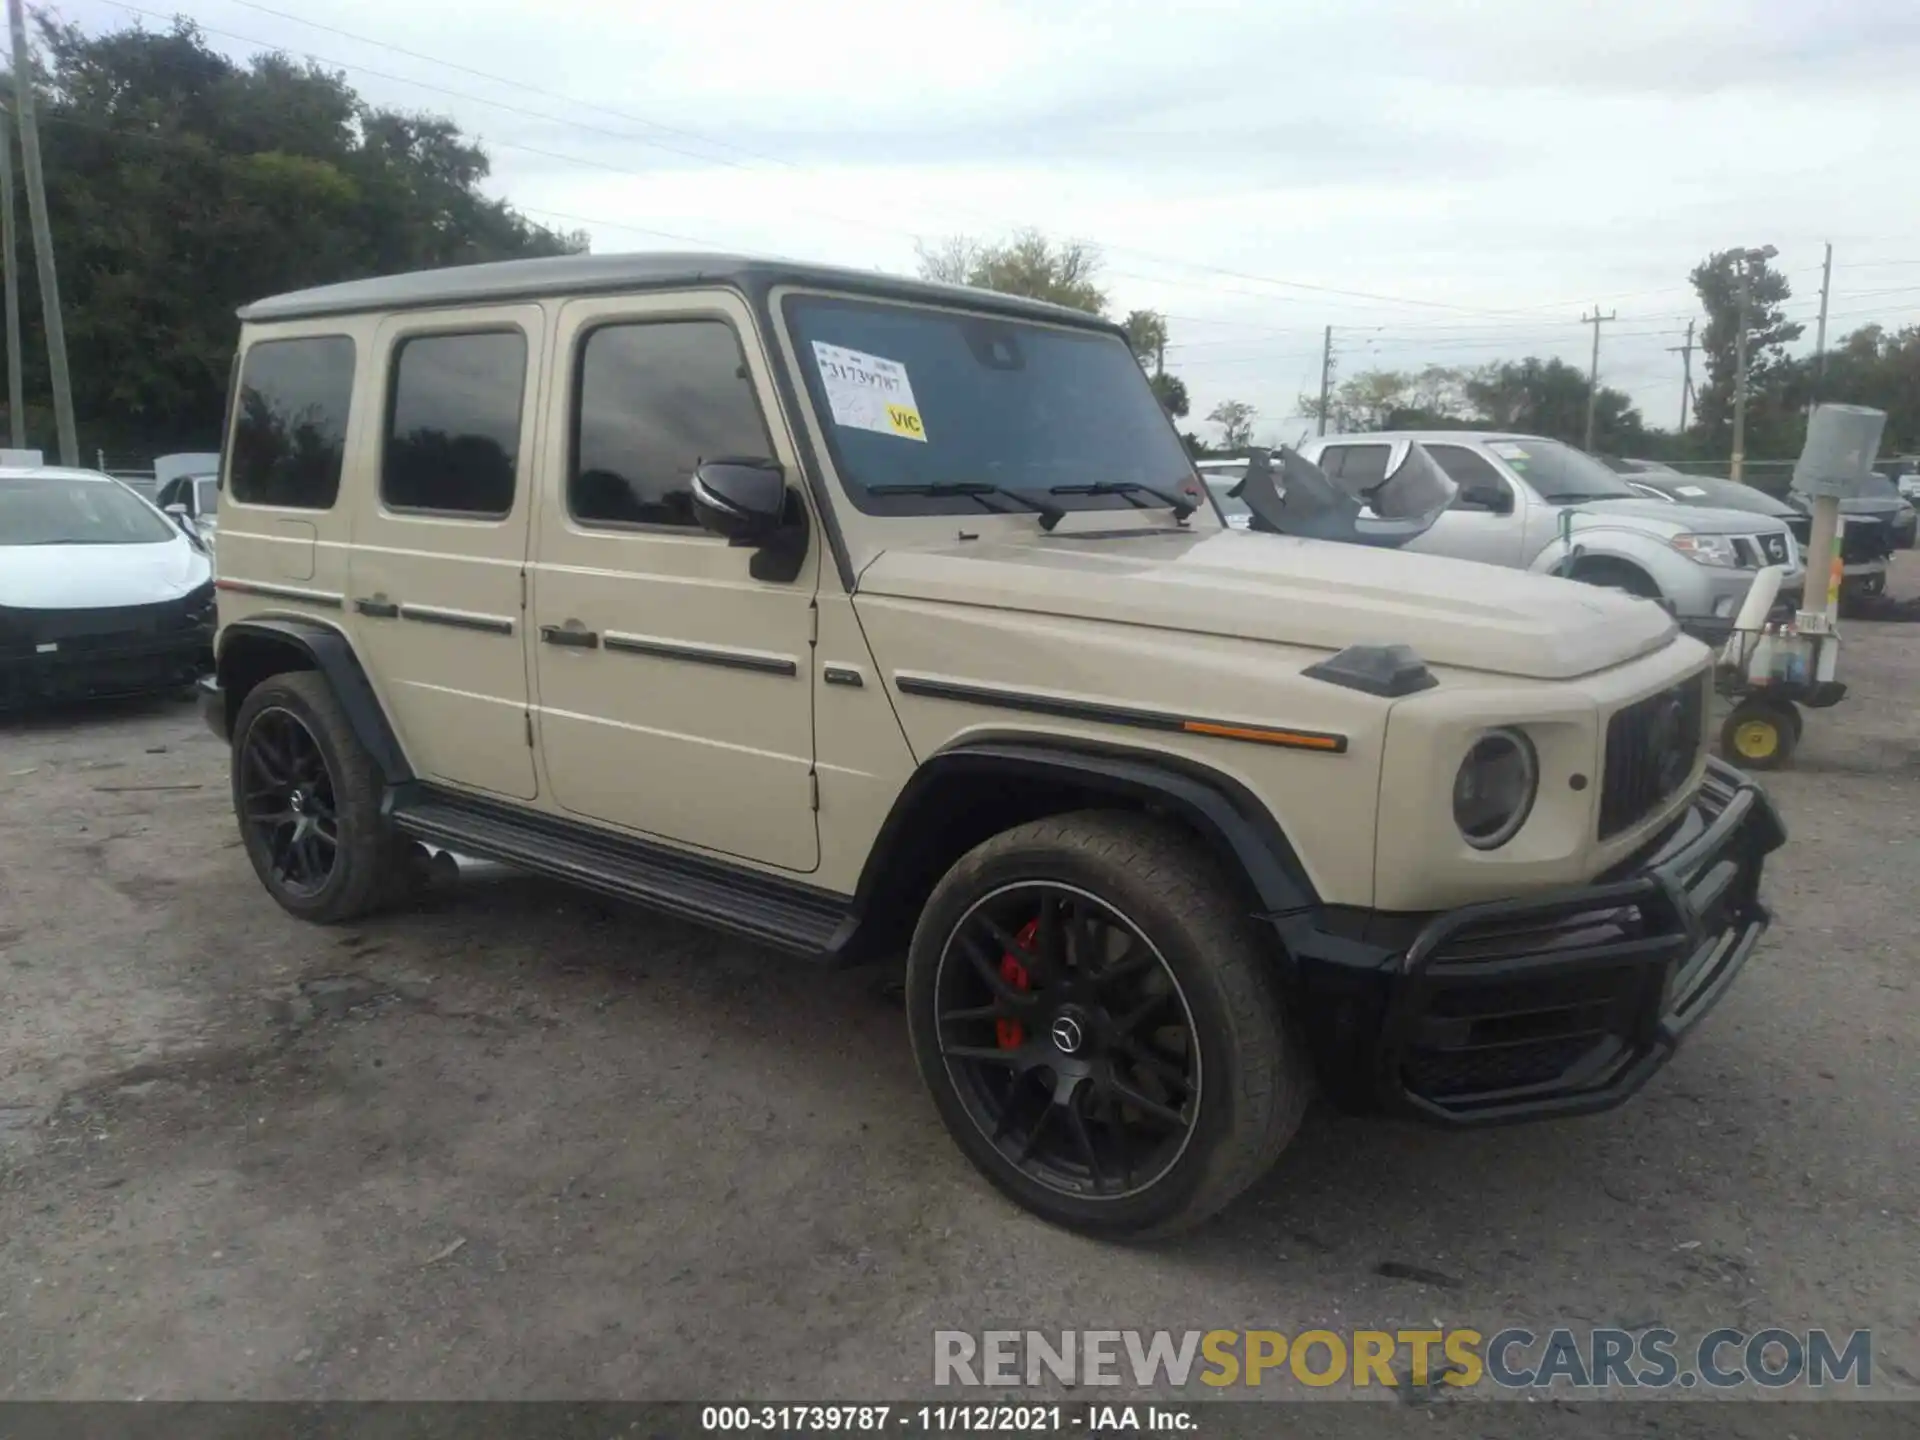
(100, 668)
(1557, 1004)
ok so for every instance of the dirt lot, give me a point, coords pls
(518, 1143)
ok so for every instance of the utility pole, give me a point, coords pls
(1326, 378)
(1160, 358)
(1596, 319)
(1685, 352)
(1746, 259)
(1820, 336)
(16, 382)
(42, 234)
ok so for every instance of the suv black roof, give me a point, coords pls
(612, 274)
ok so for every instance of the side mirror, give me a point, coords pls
(744, 500)
(1494, 499)
(177, 510)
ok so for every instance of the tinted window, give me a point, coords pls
(55, 510)
(292, 423)
(1475, 476)
(1356, 466)
(453, 425)
(918, 398)
(653, 401)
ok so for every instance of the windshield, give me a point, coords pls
(917, 397)
(1561, 474)
(54, 510)
(1722, 494)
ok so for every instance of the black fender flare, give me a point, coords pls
(328, 651)
(1241, 830)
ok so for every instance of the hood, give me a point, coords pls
(1693, 519)
(1313, 593)
(91, 577)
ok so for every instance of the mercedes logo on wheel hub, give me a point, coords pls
(1067, 1034)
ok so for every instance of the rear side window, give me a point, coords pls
(651, 401)
(453, 423)
(1356, 466)
(291, 428)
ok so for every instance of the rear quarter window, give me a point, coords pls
(290, 426)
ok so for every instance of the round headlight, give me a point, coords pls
(1494, 789)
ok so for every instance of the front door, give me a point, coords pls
(673, 687)
(439, 542)
(1485, 521)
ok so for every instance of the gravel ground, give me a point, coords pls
(517, 1143)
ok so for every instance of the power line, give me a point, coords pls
(700, 137)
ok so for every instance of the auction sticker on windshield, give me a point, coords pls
(869, 392)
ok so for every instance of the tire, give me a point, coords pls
(359, 874)
(1248, 1079)
(1760, 735)
(1618, 575)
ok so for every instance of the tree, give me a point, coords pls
(1774, 420)
(1026, 264)
(1147, 333)
(182, 185)
(1171, 392)
(1235, 419)
(1549, 397)
(1429, 399)
(1877, 367)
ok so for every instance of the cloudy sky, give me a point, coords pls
(1446, 182)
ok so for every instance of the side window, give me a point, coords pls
(453, 423)
(292, 425)
(1356, 466)
(1481, 486)
(651, 401)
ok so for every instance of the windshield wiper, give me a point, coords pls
(1132, 489)
(974, 490)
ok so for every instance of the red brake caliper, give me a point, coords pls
(1011, 1033)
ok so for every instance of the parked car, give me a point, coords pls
(1514, 489)
(868, 617)
(1863, 545)
(1621, 465)
(1220, 476)
(189, 490)
(1877, 504)
(99, 594)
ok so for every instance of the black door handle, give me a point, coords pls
(378, 609)
(579, 639)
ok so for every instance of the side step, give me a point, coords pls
(788, 916)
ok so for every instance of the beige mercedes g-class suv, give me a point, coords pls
(860, 616)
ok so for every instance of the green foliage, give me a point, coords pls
(182, 185)
(1147, 333)
(1775, 402)
(1235, 419)
(1026, 264)
(1538, 397)
(1171, 392)
(1881, 368)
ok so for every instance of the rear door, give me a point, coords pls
(440, 542)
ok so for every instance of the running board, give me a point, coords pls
(788, 916)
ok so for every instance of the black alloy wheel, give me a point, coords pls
(1068, 1040)
(288, 795)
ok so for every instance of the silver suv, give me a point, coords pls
(868, 618)
(1514, 490)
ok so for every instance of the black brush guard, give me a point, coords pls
(1564, 1004)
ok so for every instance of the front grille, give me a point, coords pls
(1773, 548)
(1651, 747)
(107, 629)
(1866, 540)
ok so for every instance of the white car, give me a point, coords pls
(1220, 476)
(99, 593)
